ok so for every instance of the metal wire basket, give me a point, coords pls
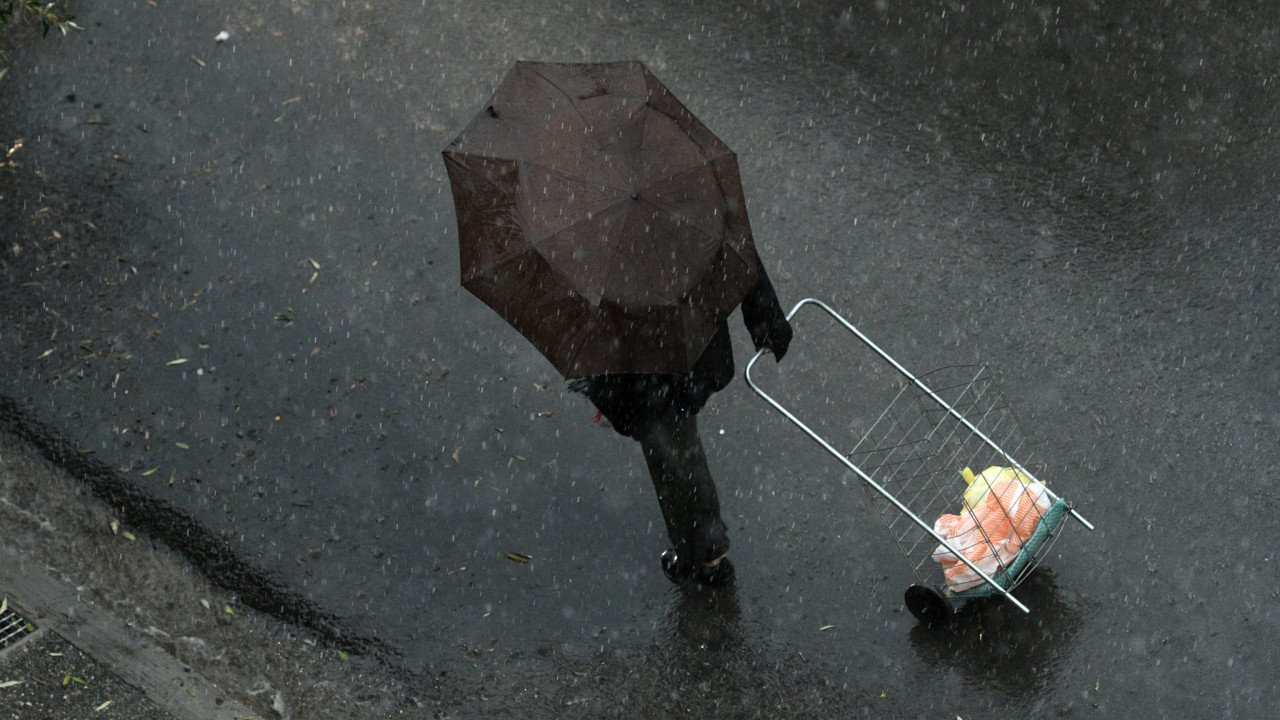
(954, 481)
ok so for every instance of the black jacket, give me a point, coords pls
(631, 400)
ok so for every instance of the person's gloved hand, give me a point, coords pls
(777, 338)
(765, 318)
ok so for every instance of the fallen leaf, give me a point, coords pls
(519, 557)
(10, 683)
(182, 446)
(826, 627)
(4, 605)
(205, 603)
(103, 706)
(179, 361)
(46, 354)
(198, 61)
(152, 471)
(128, 535)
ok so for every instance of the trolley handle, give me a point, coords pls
(909, 376)
(866, 478)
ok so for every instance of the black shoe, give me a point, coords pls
(676, 571)
(720, 575)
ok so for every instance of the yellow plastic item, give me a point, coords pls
(992, 534)
(980, 486)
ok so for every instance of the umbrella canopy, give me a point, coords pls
(600, 218)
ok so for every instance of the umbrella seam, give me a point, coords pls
(573, 104)
(707, 159)
(567, 176)
(701, 151)
(692, 117)
(562, 231)
(673, 176)
(573, 226)
(617, 267)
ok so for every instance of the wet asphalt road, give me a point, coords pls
(231, 275)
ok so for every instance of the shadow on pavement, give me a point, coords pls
(993, 645)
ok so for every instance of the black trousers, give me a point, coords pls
(686, 492)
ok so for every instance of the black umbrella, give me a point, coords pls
(600, 218)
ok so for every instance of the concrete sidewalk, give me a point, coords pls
(103, 623)
(47, 676)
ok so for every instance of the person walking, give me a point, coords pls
(660, 411)
(608, 225)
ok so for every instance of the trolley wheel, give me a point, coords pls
(929, 605)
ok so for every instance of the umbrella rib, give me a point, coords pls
(675, 213)
(573, 178)
(725, 149)
(675, 175)
(613, 271)
(687, 223)
(734, 250)
(706, 158)
(553, 84)
(577, 350)
(572, 103)
(579, 223)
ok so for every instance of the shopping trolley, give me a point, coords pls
(938, 465)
